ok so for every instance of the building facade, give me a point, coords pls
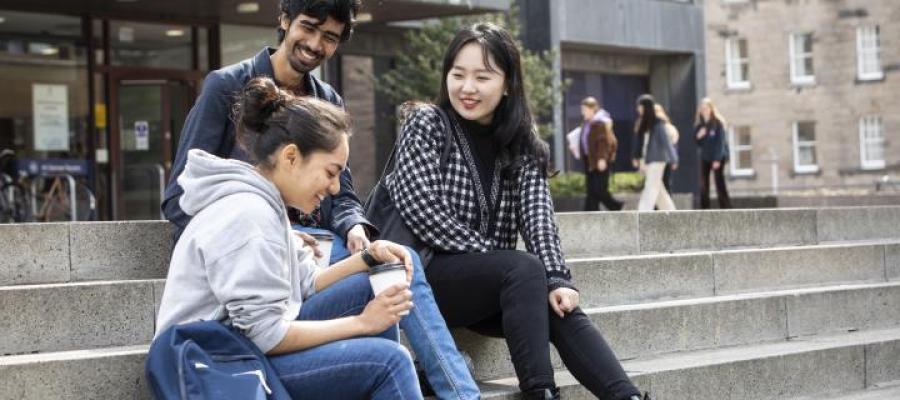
(616, 50)
(809, 89)
(95, 93)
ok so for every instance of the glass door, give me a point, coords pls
(149, 111)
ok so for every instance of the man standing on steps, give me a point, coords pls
(309, 32)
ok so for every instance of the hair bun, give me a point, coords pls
(260, 99)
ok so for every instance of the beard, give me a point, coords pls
(300, 66)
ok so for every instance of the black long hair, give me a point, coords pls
(515, 133)
(648, 116)
(269, 117)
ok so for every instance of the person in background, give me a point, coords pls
(709, 128)
(598, 149)
(470, 213)
(674, 136)
(652, 151)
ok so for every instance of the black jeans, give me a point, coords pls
(598, 191)
(503, 293)
(721, 190)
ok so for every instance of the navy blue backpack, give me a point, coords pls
(208, 360)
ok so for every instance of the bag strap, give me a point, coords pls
(445, 153)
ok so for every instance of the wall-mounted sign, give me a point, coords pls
(100, 115)
(51, 117)
(141, 135)
(33, 167)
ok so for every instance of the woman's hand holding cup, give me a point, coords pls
(386, 308)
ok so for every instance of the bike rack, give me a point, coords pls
(73, 198)
(162, 187)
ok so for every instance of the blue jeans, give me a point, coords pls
(427, 334)
(358, 368)
(338, 246)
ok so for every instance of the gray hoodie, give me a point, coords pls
(237, 260)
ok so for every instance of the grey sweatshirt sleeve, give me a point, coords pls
(251, 280)
(309, 269)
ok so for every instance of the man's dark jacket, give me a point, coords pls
(210, 126)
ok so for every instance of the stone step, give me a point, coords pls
(686, 325)
(811, 367)
(59, 317)
(85, 251)
(606, 234)
(890, 391)
(823, 364)
(72, 316)
(642, 278)
(106, 373)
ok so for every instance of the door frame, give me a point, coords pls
(114, 78)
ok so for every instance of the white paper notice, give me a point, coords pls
(141, 135)
(51, 117)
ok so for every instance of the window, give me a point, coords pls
(741, 151)
(805, 147)
(737, 63)
(801, 48)
(867, 53)
(871, 143)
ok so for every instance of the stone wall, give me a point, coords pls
(836, 100)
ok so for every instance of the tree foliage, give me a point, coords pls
(417, 71)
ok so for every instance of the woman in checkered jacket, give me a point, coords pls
(492, 187)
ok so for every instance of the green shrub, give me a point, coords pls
(626, 182)
(569, 184)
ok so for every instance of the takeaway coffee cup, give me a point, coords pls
(325, 242)
(386, 275)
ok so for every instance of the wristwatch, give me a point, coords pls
(367, 258)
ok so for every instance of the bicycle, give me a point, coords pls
(14, 201)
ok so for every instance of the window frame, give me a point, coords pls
(868, 51)
(732, 44)
(804, 169)
(736, 148)
(869, 124)
(797, 58)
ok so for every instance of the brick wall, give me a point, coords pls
(359, 97)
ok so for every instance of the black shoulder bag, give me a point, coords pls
(380, 208)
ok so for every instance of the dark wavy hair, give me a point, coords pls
(268, 117)
(515, 132)
(343, 11)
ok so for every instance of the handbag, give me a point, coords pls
(382, 212)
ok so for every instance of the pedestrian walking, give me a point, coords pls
(598, 147)
(652, 151)
(709, 128)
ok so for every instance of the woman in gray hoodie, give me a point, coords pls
(239, 262)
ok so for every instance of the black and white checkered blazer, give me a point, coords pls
(444, 207)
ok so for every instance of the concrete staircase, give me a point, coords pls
(757, 304)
